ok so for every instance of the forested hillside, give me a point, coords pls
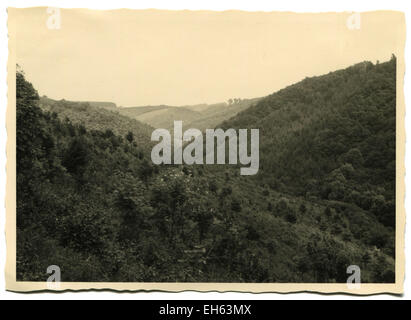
(90, 201)
(94, 116)
(332, 137)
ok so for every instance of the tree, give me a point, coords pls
(146, 170)
(213, 186)
(354, 156)
(76, 157)
(236, 205)
(130, 137)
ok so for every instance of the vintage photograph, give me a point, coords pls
(206, 150)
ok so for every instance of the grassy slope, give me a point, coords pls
(196, 116)
(97, 118)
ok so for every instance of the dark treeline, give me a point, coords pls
(90, 201)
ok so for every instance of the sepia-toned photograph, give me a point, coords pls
(204, 150)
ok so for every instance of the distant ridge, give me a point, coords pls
(100, 104)
(200, 116)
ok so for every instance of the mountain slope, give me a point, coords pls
(201, 116)
(91, 202)
(95, 117)
(331, 137)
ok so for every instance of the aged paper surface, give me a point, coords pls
(157, 58)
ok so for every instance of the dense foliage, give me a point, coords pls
(332, 138)
(90, 201)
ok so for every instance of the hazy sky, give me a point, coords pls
(137, 58)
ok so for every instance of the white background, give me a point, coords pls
(249, 5)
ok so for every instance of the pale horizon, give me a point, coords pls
(153, 57)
